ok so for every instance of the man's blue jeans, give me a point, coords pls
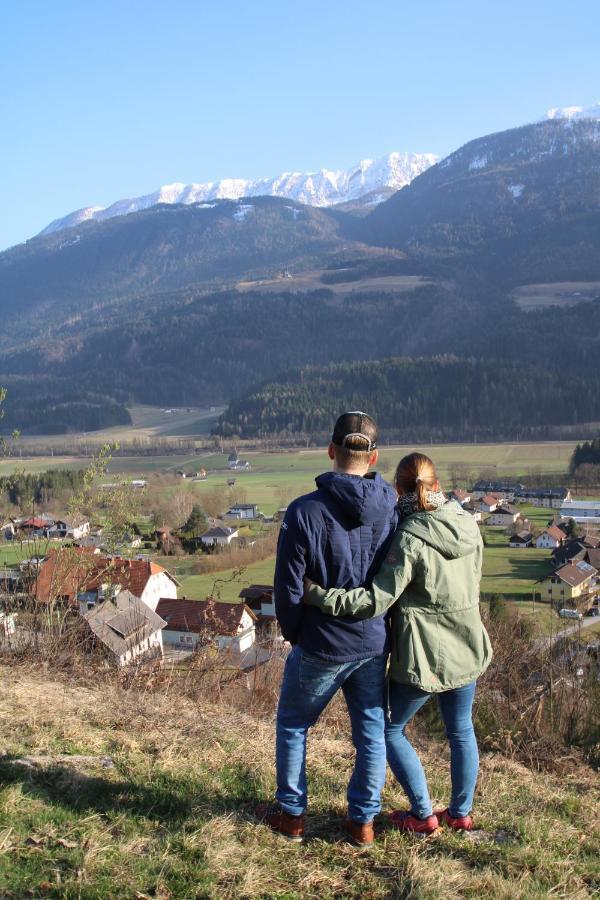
(455, 707)
(309, 683)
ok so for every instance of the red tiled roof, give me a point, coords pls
(593, 557)
(556, 533)
(489, 500)
(35, 523)
(202, 615)
(67, 571)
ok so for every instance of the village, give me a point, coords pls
(129, 600)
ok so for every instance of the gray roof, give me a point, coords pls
(123, 623)
(219, 531)
(507, 510)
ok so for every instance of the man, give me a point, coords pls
(337, 536)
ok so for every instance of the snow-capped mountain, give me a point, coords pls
(325, 188)
(575, 112)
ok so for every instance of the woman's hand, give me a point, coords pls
(307, 586)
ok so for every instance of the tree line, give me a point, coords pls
(41, 488)
(445, 397)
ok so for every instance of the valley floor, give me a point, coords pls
(172, 817)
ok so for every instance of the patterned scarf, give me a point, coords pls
(409, 504)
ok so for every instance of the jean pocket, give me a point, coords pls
(318, 676)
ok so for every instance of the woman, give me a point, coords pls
(439, 644)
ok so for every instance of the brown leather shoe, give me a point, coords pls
(289, 827)
(361, 834)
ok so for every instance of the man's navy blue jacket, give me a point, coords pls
(338, 536)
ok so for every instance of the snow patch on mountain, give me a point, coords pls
(478, 162)
(243, 211)
(324, 188)
(570, 113)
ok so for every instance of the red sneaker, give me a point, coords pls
(405, 821)
(289, 827)
(458, 823)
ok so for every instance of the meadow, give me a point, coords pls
(150, 793)
(276, 477)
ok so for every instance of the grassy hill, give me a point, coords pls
(172, 815)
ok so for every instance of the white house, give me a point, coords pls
(220, 536)
(488, 503)
(521, 540)
(582, 511)
(461, 496)
(127, 627)
(259, 598)
(76, 528)
(551, 538)
(504, 515)
(501, 489)
(237, 464)
(547, 498)
(82, 577)
(189, 623)
(243, 511)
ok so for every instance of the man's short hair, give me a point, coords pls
(355, 436)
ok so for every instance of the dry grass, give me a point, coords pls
(174, 817)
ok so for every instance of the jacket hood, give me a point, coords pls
(450, 530)
(363, 500)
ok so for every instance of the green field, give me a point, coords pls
(511, 572)
(298, 466)
(277, 477)
(223, 585)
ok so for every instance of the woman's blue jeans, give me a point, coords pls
(455, 707)
(309, 683)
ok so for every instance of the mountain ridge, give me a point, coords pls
(327, 187)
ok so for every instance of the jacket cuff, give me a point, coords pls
(314, 595)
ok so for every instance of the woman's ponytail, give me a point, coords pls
(416, 474)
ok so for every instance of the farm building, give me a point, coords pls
(551, 538)
(127, 628)
(504, 515)
(521, 540)
(80, 577)
(550, 498)
(243, 511)
(76, 528)
(582, 511)
(231, 626)
(487, 504)
(220, 536)
(570, 582)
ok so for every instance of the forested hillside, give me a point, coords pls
(51, 405)
(523, 183)
(440, 398)
(162, 248)
(192, 304)
(187, 348)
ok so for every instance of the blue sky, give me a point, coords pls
(104, 100)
